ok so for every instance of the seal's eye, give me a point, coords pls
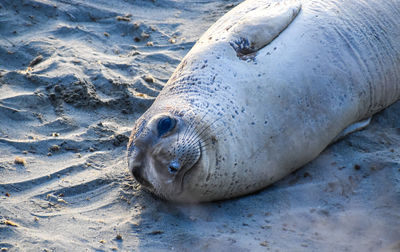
(165, 125)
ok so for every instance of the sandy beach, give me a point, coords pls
(74, 77)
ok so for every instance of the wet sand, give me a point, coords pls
(74, 76)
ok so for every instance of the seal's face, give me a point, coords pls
(162, 149)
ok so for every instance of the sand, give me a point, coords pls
(74, 76)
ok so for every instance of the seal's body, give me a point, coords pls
(263, 92)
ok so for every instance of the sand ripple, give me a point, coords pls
(74, 76)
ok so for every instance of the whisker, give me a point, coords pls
(188, 128)
(192, 140)
(184, 133)
(194, 121)
(203, 130)
(206, 142)
(205, 147)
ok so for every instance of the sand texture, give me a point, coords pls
(74, 76)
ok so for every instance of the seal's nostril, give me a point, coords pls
(138, 175)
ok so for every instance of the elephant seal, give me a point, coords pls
(263, 92)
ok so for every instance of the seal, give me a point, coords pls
(264, 91)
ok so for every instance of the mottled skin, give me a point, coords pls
(244, 123)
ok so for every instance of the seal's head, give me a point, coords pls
(163, 151)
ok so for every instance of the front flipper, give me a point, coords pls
(352, 128)
(259, 26)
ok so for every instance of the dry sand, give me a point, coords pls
(74, 76)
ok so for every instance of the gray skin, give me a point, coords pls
(244, 118)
